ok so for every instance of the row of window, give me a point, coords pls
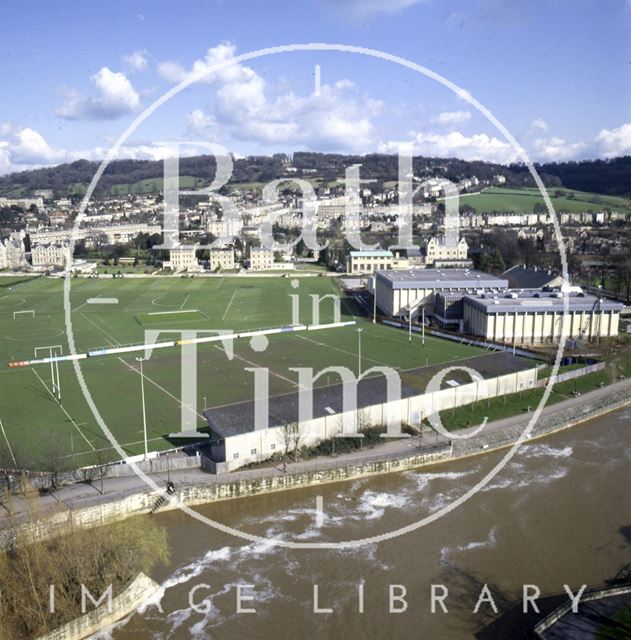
(235, 456)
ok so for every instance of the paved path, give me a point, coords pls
(82, 494)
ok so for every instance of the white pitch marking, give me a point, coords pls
(102, 301)
(223, 317)
(8, 445)
(319, 511)
(166, 313)
(109, 337)
(168, 393)
(62, 408)
(185, 301)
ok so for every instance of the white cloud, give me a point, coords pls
(454, 144)
(137, 60)
(557, 149)
(199, 123)
(614, 142)
(338, 118)
(25, 148)
(362, 9)
(222, 55)
(30, 147)
(116, 97)
(452, 118)
(539, 124)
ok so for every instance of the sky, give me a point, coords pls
(75, 76)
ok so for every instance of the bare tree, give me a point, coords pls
(55, 462)
(95, 472)
(12, 474)
(100, 240)
(291, 438)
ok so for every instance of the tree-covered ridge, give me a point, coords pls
(610, 177)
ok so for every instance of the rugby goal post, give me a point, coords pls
(52, 350)
(24, 311)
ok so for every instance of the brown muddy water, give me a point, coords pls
(558, 513)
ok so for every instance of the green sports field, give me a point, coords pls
(34, 423)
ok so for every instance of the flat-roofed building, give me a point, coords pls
(365, 262)
(397, 291)
(538, 317)
(235, 441)
(222, 259)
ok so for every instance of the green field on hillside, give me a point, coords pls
(149, 186)
(523, 200)
(35, 423)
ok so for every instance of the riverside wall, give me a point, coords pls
(112, 508)
(238, 485)
(141, 589)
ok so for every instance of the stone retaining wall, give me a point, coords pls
(235, 486)
(246, 484)
(142, 588)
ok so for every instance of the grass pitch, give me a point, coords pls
(35, 423)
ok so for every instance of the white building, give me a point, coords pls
(224, 228)
(438, 252)
(23, 203)
(222, 259)
(397, 291)
(183, 258)
(112, 234)
(235, 442)
(366, 262)
(261, 258)
(50, 255)
(15, 252)
(538, 318)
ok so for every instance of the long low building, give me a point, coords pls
(235, 442)
(397, 291)
(538, 317)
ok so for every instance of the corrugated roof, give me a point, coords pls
(238, 418)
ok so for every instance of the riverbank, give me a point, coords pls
(84, 506)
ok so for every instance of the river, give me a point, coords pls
(558, 513)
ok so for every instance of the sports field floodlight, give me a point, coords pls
(359, 352)
(144, 411)
(374, 299)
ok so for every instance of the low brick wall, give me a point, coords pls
(141, 589)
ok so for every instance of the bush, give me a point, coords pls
(113, 554)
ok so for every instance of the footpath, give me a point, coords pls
(495, 435)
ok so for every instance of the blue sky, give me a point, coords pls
(555, 72)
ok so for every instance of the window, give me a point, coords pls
(235, 456)
(253, 452)
(272, 447)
